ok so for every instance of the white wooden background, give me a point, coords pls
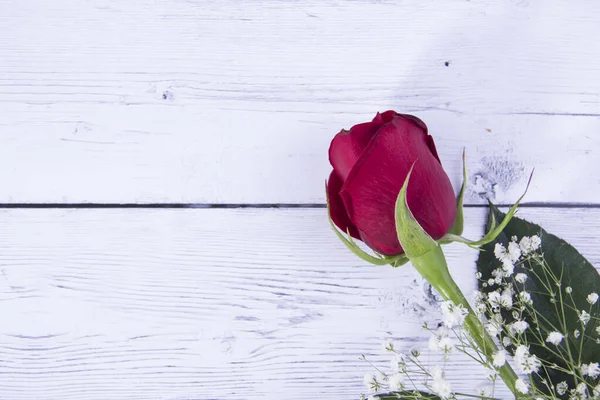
(224, 103)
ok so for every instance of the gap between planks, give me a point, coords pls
(257, 206)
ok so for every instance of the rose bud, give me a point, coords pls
(370, 164)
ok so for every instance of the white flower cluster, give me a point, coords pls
(592, 370)
(509, 315)
(508, 256)
(579, 392)
(440, 385)
(507, 294)
(453, 315)
(528, 245)
(522, 386)
(526, 363)
(398, 377)
(555, 338)
(440, 341)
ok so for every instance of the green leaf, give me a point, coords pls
(407, 395)
(458, 226)
(574, 270)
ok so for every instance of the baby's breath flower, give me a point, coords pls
(478, 275)
(397, 364)
(529, 244)
(525, 362)
(480, 308)
(494, 327)
(485, 391)
(508, 267)
(445, 344)
(591, 369)
(576, 333)
(525, 298)
(494, 299)
(520, 277)
(518, 326)
(562, 387)
(592, 298)
(584, 317)
(598, 329)
(580, 391)
(569, 290)
(499, 251)
(521, 351)
(498, 274)
(506, 298)
(396, 382)
(597, 390)
(388, 346)
(440, 341)
(499, 358)
(506, 341)
(380, 377)
(439, 384)
(453, 315)
(555, 338)
(370, 381)
(477, 296)
(514, 251)
(507, 257)
(528, 364)
(491, 375)
(521, 386)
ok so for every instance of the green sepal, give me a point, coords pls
(421, 249)
(398, 261)
(413, 238)
(494, 231)
(458, 226)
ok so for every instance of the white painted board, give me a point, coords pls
(212, 304)
(235, 102)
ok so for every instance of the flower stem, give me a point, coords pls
(433, 267)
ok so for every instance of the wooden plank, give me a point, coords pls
(212, 304)
(229, 102)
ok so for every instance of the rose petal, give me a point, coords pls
(370, 191)
(385, 117)
(432, 148)
(336, 206)
(347, 146)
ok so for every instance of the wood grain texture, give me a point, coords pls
(212, 304)
(236, 102)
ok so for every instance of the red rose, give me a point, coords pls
(370, 163)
